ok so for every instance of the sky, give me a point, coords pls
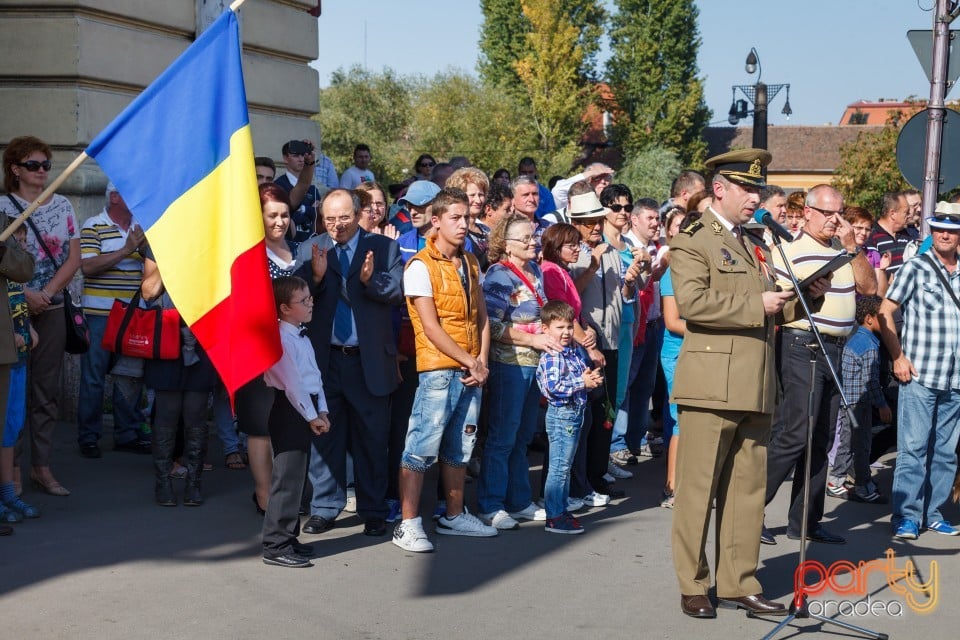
(832, 53)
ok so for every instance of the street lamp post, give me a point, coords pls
(759, 95)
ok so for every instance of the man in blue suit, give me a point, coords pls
(359, 283)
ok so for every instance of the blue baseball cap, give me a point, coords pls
(420, 193)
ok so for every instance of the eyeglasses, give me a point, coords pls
(524, 239)
(35, 165)
(427, 165)
(587, 222)
(826, 212)
(863, 229)
(307, 302)
(617, 208)
(329, 222)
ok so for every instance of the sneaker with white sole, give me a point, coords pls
(594, 499)
(944, 528)
(837, 489)
(351, 506)
(623, 457)
(465, 524)
(410, 536)
(647, 450)
(531, 512)
(500, 520)
(564, 523)
(618, 472)
(609, 479)
(667, 499)
(574, 504)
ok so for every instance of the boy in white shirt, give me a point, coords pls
(298, 411)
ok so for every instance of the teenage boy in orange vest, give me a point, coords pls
(452, 333)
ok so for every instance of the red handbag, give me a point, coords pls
(153, 334)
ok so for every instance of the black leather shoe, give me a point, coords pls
(615, 494)
(290, 560)
(90, 450)
(305, 550)
(697, 607)
(757, 605)
(317, 524)
(766, 536)
(820, 535)
(134, 446)
(375, 527)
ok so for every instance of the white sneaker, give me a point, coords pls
(530, 513)
(574, 504)
(351, 506)
(594, 499)
(500, 520)
(410, 536)
(609, 479)
(618, 472)
(465, 524)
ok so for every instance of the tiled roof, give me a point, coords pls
(799, 149)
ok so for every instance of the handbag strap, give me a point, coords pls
(943, 279)
(36, 232)
(125, 322)
(523, 279)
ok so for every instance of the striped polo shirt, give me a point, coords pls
(101, 235)
(837, 316)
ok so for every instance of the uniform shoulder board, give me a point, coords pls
(692, 228)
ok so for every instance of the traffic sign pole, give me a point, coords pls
(936, 110)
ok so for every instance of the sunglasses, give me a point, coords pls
(617, 208)
(35, 165)
(945, 217)
(428, 164)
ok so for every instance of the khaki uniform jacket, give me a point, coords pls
(17, 265)
(727, 360)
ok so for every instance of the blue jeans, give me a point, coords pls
(504, 470)
(94, 367)
(633, 416)
(443, 422)
(563, 431)
(926, 452)
(223, 419)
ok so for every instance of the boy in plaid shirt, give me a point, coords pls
(564, 379)
(860, 366)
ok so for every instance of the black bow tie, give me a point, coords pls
(303, 332)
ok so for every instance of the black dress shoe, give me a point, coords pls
(820, 535)
(305, 550)
(615, 494)
(697, 607)
(766, 536)
(289, 560)
(5, 530)
(134, 446)
(317, 524)
(757, 605)
(375, 527)
(90, 450)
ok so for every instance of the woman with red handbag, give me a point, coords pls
(26, 167)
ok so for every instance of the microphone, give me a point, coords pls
(764, 217)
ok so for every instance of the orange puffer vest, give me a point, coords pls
(457, 314)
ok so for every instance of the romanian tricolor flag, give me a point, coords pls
(182, 157)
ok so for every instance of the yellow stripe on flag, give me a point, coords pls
(213, 223)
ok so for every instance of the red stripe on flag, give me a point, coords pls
(240, 334)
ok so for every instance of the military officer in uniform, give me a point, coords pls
(724, 388)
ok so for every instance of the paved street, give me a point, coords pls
(107, 563)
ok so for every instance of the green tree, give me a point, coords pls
(652, 72)
(454, 114)
(373, 108)
(650, 173)
(503, 41)
(868, 168)
(549, 72)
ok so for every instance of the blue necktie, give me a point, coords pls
(342, 318)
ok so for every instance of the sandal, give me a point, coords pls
(235, 461)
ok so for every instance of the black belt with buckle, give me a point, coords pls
(838, 340)
(345, 349)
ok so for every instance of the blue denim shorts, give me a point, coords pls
(16, 416)
(443, 422)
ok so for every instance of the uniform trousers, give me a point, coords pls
(722, 455)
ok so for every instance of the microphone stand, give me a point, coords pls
(799, 608)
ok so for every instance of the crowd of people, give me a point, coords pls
(464, 320)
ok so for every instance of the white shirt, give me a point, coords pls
(353, 176)
(297, 373)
